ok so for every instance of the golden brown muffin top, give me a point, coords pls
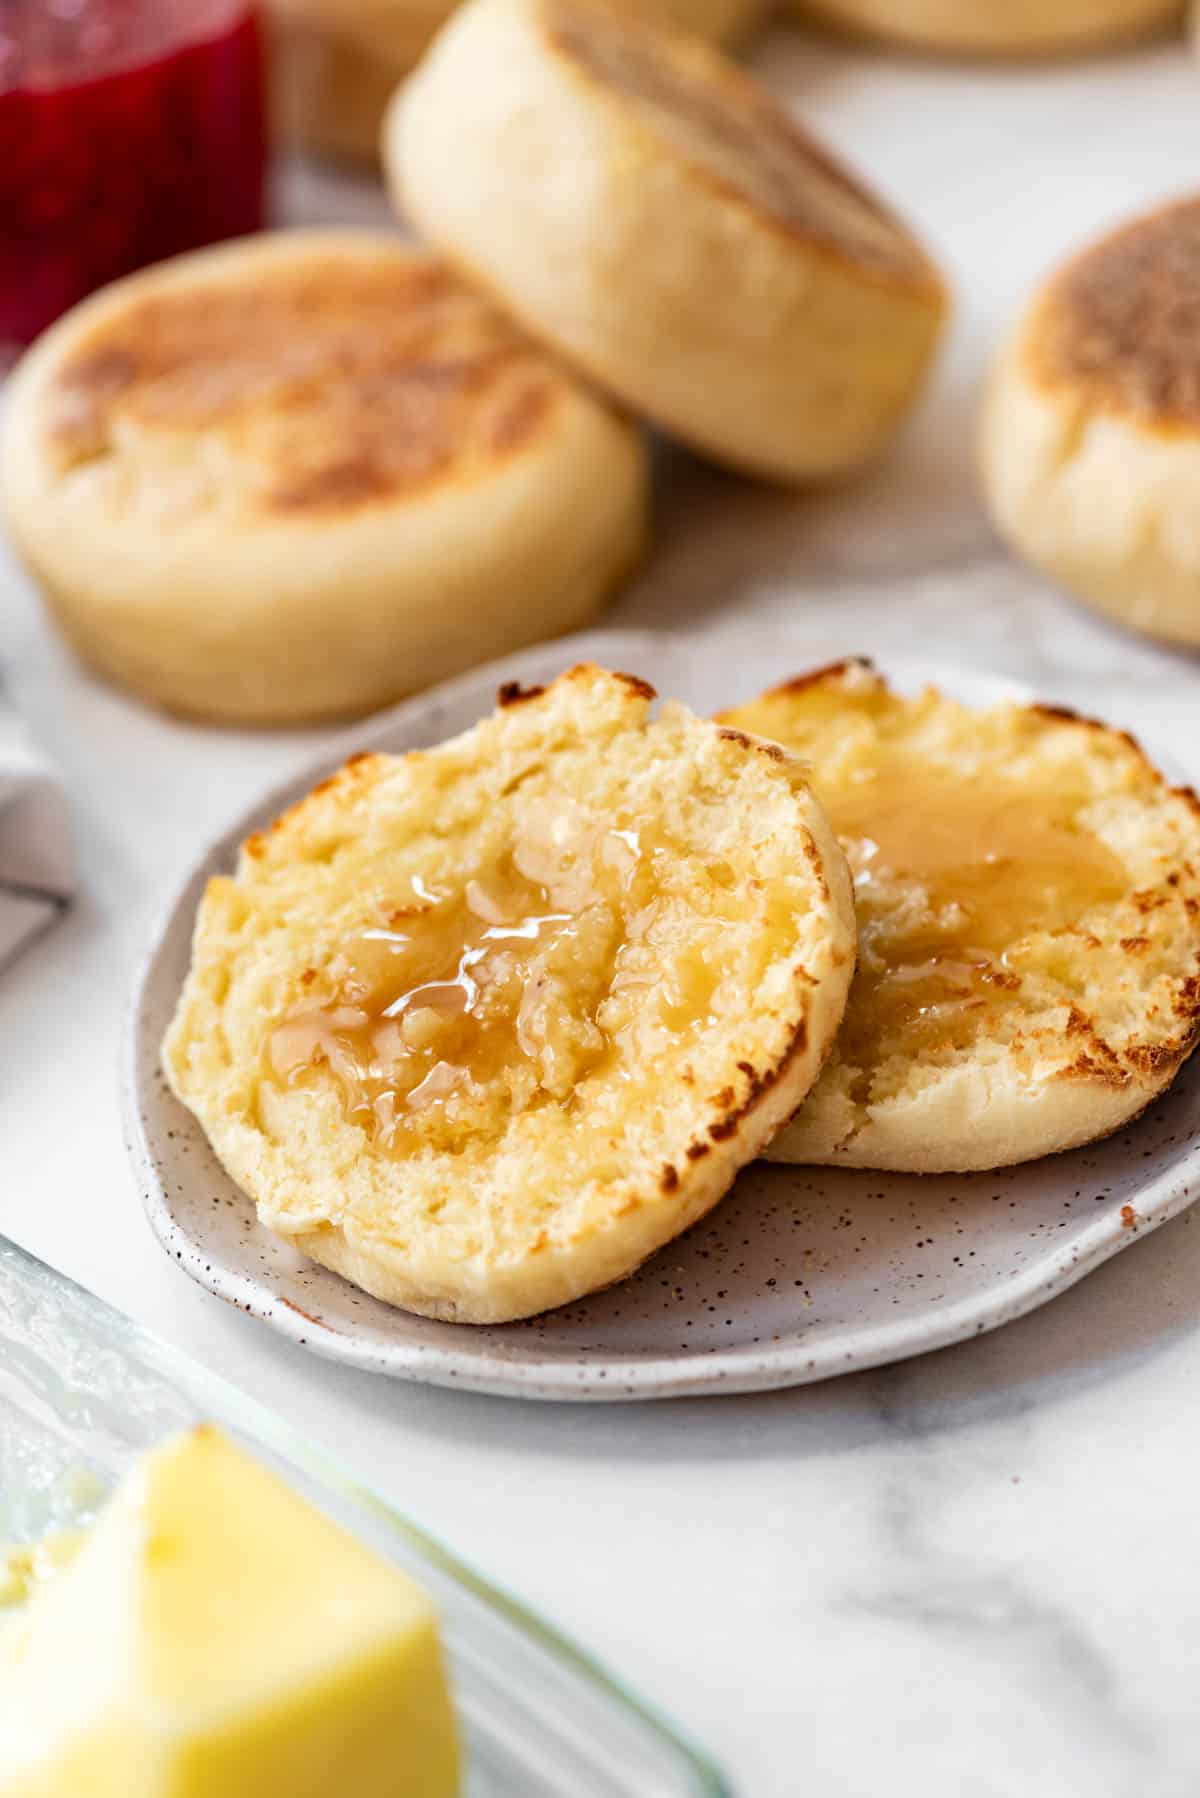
(732, 132)
(1121, 321)
(317, 383)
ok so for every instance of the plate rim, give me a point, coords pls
(682, 1374)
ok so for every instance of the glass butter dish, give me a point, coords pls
(84, 1391)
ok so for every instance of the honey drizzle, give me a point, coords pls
(460, 990)
(996, 862)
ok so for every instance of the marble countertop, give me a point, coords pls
(968, 1576)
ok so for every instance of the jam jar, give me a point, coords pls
(129, 130)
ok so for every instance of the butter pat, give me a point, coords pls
(216, 1634)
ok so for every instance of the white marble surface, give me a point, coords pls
(973, 1576)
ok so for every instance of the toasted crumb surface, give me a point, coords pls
(481, 1027)
(1028, 895)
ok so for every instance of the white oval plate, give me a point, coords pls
(799, 1274)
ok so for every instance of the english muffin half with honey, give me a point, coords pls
(996, 27)
(644, 206)
(483, 1026)
(1028, 895)
(1091, 431)
(299, 476)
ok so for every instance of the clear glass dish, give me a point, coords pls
(83, 1391)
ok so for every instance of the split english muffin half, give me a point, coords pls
(645, 207)
(1090, 440)
(482, 1027)
(1028, 897)
(298, 476)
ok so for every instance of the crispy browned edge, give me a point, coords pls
(513, 693)
(730, 1115)
(799, 683)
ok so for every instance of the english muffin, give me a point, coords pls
(1028, 894)
(296, 477)
(336, 63)
(996, 27)
(1091, 430)
(482, 1027)
(645, 207)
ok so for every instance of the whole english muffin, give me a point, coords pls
(996, 27)
(299, 476)
(336, 63)
(483, 1026)
(1090, 439)
(644, 206)
(1028, 896)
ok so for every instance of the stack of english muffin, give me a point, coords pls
(299, 476)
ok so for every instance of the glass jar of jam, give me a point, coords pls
(129, 130)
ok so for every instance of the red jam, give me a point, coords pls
(129, 130)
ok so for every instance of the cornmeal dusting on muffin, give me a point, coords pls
(1121, 321)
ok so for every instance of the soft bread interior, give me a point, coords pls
(671, 1016)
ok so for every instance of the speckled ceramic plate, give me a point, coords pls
(798, 1274)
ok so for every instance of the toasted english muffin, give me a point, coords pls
(995, 27)
(298, 476)
(483, 1026)
(1090, 442)
(1028, 895)
(336, 63)
(649, 210)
